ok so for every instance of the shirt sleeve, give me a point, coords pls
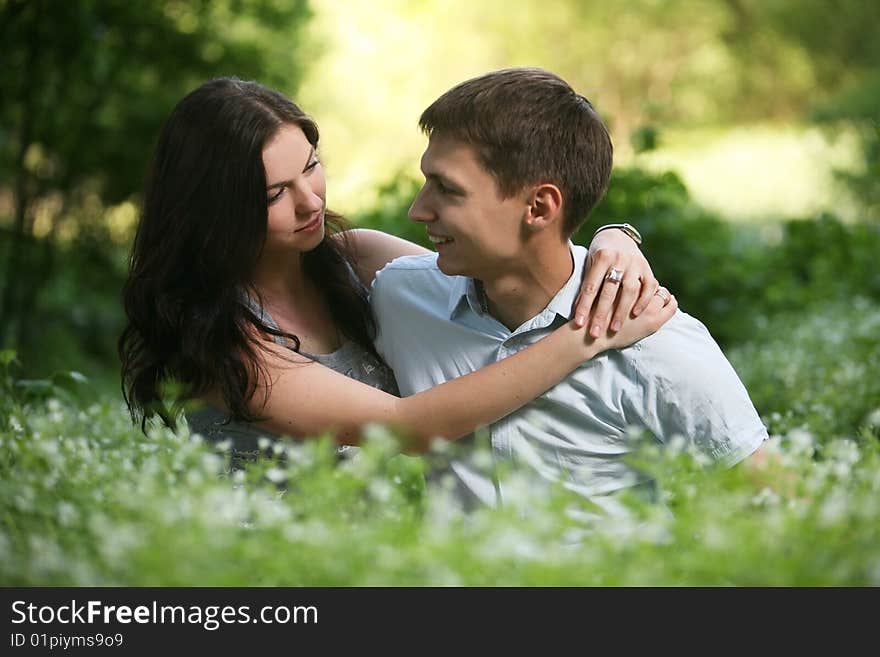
(382, 306)
(686, 387)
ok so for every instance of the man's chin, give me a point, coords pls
(447, 267)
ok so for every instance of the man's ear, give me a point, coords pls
(545, 207)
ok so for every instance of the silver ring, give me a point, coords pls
(663, 293)
(614, 275)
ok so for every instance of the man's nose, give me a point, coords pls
(419, 210)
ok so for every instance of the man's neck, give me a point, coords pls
(516, 295)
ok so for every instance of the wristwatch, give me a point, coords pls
(629, 229)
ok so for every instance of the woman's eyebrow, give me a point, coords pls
(285, 183)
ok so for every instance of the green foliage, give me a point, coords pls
(816, 369)
(86, 86)
(8, 360)
(733, 277)
(68, 385)
(76, 316)
(644, 138)
(839, 84)
(90, 501)
(390, 212)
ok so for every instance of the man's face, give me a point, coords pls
(476, 232)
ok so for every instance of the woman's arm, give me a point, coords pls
(307, 399)
(610, 248)
(374, 249)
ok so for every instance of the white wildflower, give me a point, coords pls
(801, 442)
(380, 490)
(276, 475)
(67, 513)
(765, 497)
(119, 541)
(212, 464)
(511, 542)
(223, 445)
(379, 438)
(194, 478)
(676, 445)
(833, 509)
(45, 555)
(482, 459)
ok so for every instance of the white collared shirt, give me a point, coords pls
(433, 328)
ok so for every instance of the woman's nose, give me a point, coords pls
(307, 199)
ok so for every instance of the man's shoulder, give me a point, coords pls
(426, 262)
(679, 332)
(411, 272)
(680, 349)
(692, 388)
(411, 280)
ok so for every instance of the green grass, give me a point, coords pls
(87, 500)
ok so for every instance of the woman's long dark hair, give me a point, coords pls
(201, 231)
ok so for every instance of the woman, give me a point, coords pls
(244, 292)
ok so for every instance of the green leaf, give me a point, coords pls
(7, 357)
(69, 379)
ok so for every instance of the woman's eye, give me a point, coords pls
(277, 195)
(312, 165)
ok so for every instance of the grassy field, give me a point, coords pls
(88, 500)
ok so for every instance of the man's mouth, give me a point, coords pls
(439, 239)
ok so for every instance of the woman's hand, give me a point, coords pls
(581, 346)
(660, 309)
(616, 270)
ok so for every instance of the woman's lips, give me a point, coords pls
(313, 225)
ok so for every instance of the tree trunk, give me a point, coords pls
(11, 280)
(11, 298)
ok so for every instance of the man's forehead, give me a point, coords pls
(447, 151)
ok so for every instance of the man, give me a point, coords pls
(515, 162)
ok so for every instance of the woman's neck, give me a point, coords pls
(281, 277)
(296, 303)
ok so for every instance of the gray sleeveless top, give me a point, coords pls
(351, 359)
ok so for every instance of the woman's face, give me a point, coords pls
(295, 192)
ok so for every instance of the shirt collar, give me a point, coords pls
(462, 292)
(465, 291)
(562, 303)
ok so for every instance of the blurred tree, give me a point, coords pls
(85, 86)
(840, 86)
(679, 64)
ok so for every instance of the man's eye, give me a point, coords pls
(311, 165)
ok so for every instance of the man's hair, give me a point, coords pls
(528, 126)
